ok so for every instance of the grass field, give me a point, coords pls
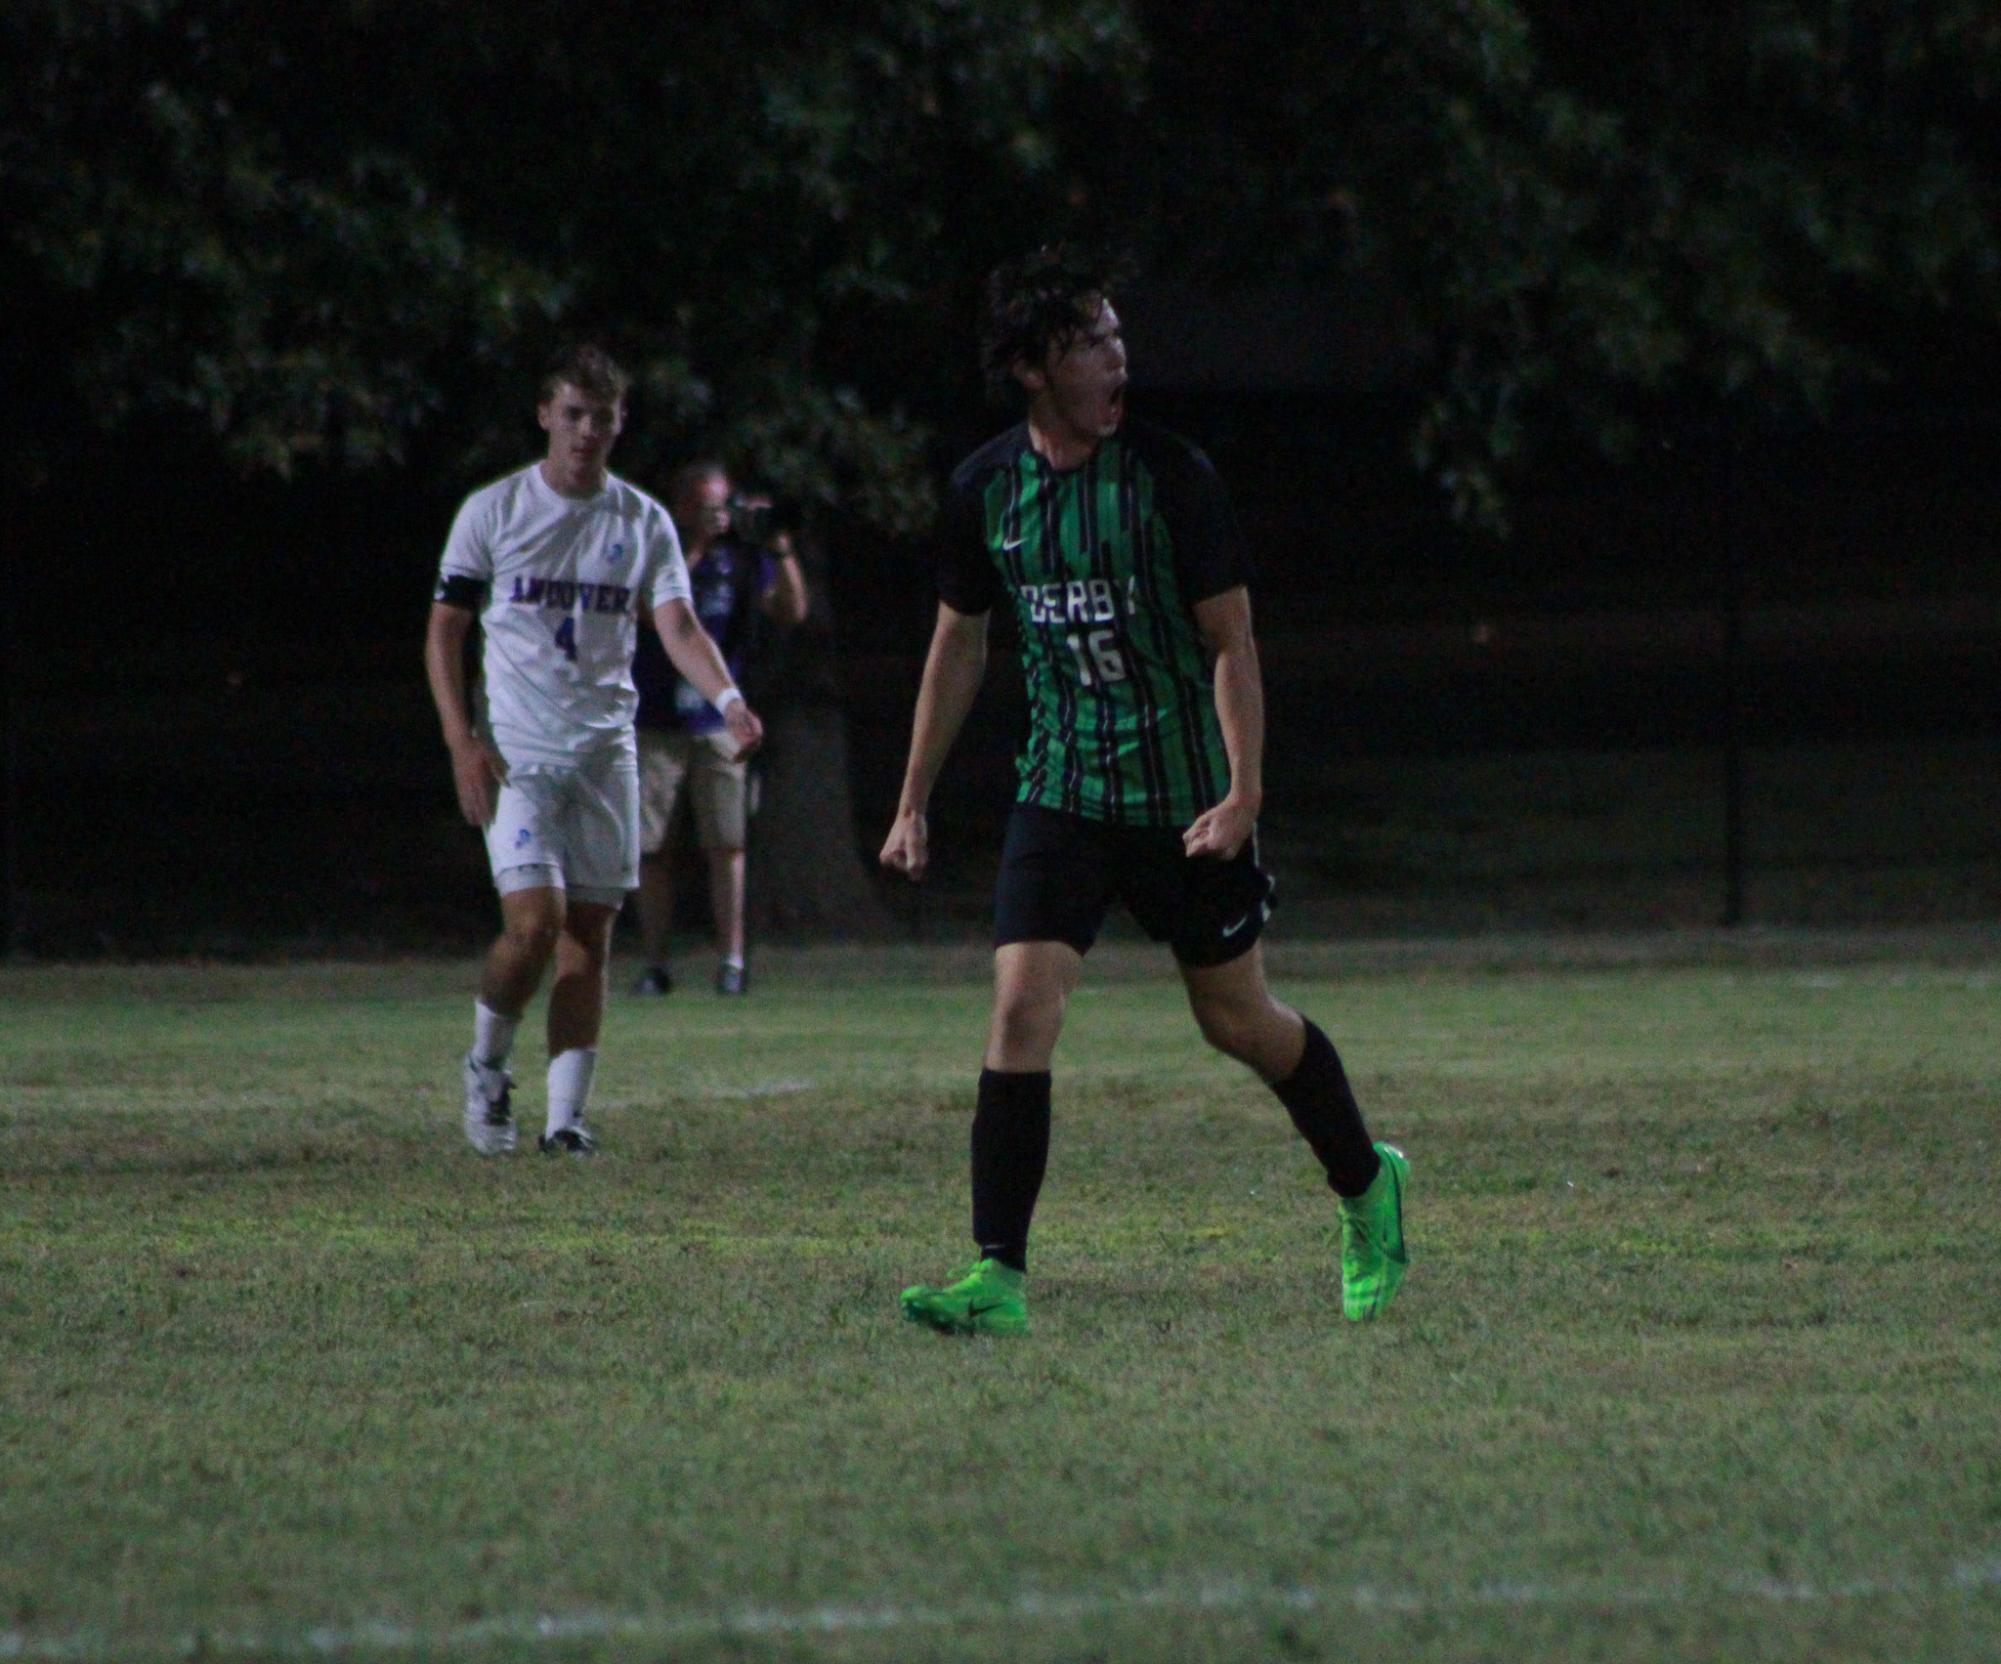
(1700, 1356)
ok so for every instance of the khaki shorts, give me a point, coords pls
(717, 786)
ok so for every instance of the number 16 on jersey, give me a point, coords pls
(1097, 652)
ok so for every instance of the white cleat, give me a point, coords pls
(489, 1112)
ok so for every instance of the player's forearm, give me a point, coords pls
(444, 669)
(953, 672)
(693, 652)
(1240, 712)
(789, 593)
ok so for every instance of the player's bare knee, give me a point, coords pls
(1026, 1024)
(1236, 1028)
(1019, 1027)
(576, 958)
(1225, 1030)
(532, 940)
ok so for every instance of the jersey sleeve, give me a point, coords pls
(668, 579)
(967, 579)
(465, 572)
(1209, 553)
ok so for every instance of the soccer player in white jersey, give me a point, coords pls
(556, 562)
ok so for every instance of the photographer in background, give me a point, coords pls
(739, 582)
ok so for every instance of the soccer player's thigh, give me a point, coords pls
(1209, 911)
(601, 831)
(663, 776)
(719, 789)
(1055, 882)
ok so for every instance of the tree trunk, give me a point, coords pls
(807, 876)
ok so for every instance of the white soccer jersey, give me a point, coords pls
(565, 579)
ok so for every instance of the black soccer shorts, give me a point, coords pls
(1060, 874)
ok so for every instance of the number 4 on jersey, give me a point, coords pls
(566, 637)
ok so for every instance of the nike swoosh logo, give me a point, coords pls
(1008, 548)
(981, 1311)
(1239, 925)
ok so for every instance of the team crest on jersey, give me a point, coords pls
(615, 553)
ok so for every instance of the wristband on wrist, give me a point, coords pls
(727, 698)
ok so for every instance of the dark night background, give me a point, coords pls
(1609, 398)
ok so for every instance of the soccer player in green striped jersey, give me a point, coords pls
(1141, 777)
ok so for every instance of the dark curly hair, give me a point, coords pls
(1035, 303)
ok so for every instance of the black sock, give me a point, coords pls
(1010, 1152)
(1323, 1108)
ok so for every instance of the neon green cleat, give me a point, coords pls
(1373, 1257)
(990, 1299)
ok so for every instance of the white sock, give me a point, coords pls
(492, 1035)
(570, 1086)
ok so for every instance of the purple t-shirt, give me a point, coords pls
(727, 584)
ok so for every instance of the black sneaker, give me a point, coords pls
(732, 979)
(567, 1141)
(655, 979)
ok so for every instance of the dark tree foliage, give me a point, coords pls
(320, 231)
(1578, 211)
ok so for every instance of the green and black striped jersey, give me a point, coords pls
(1104, 564)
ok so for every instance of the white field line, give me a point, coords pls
(786, 1088)
(789, 1086)
(758, 1622)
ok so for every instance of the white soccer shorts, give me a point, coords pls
(570, 827)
